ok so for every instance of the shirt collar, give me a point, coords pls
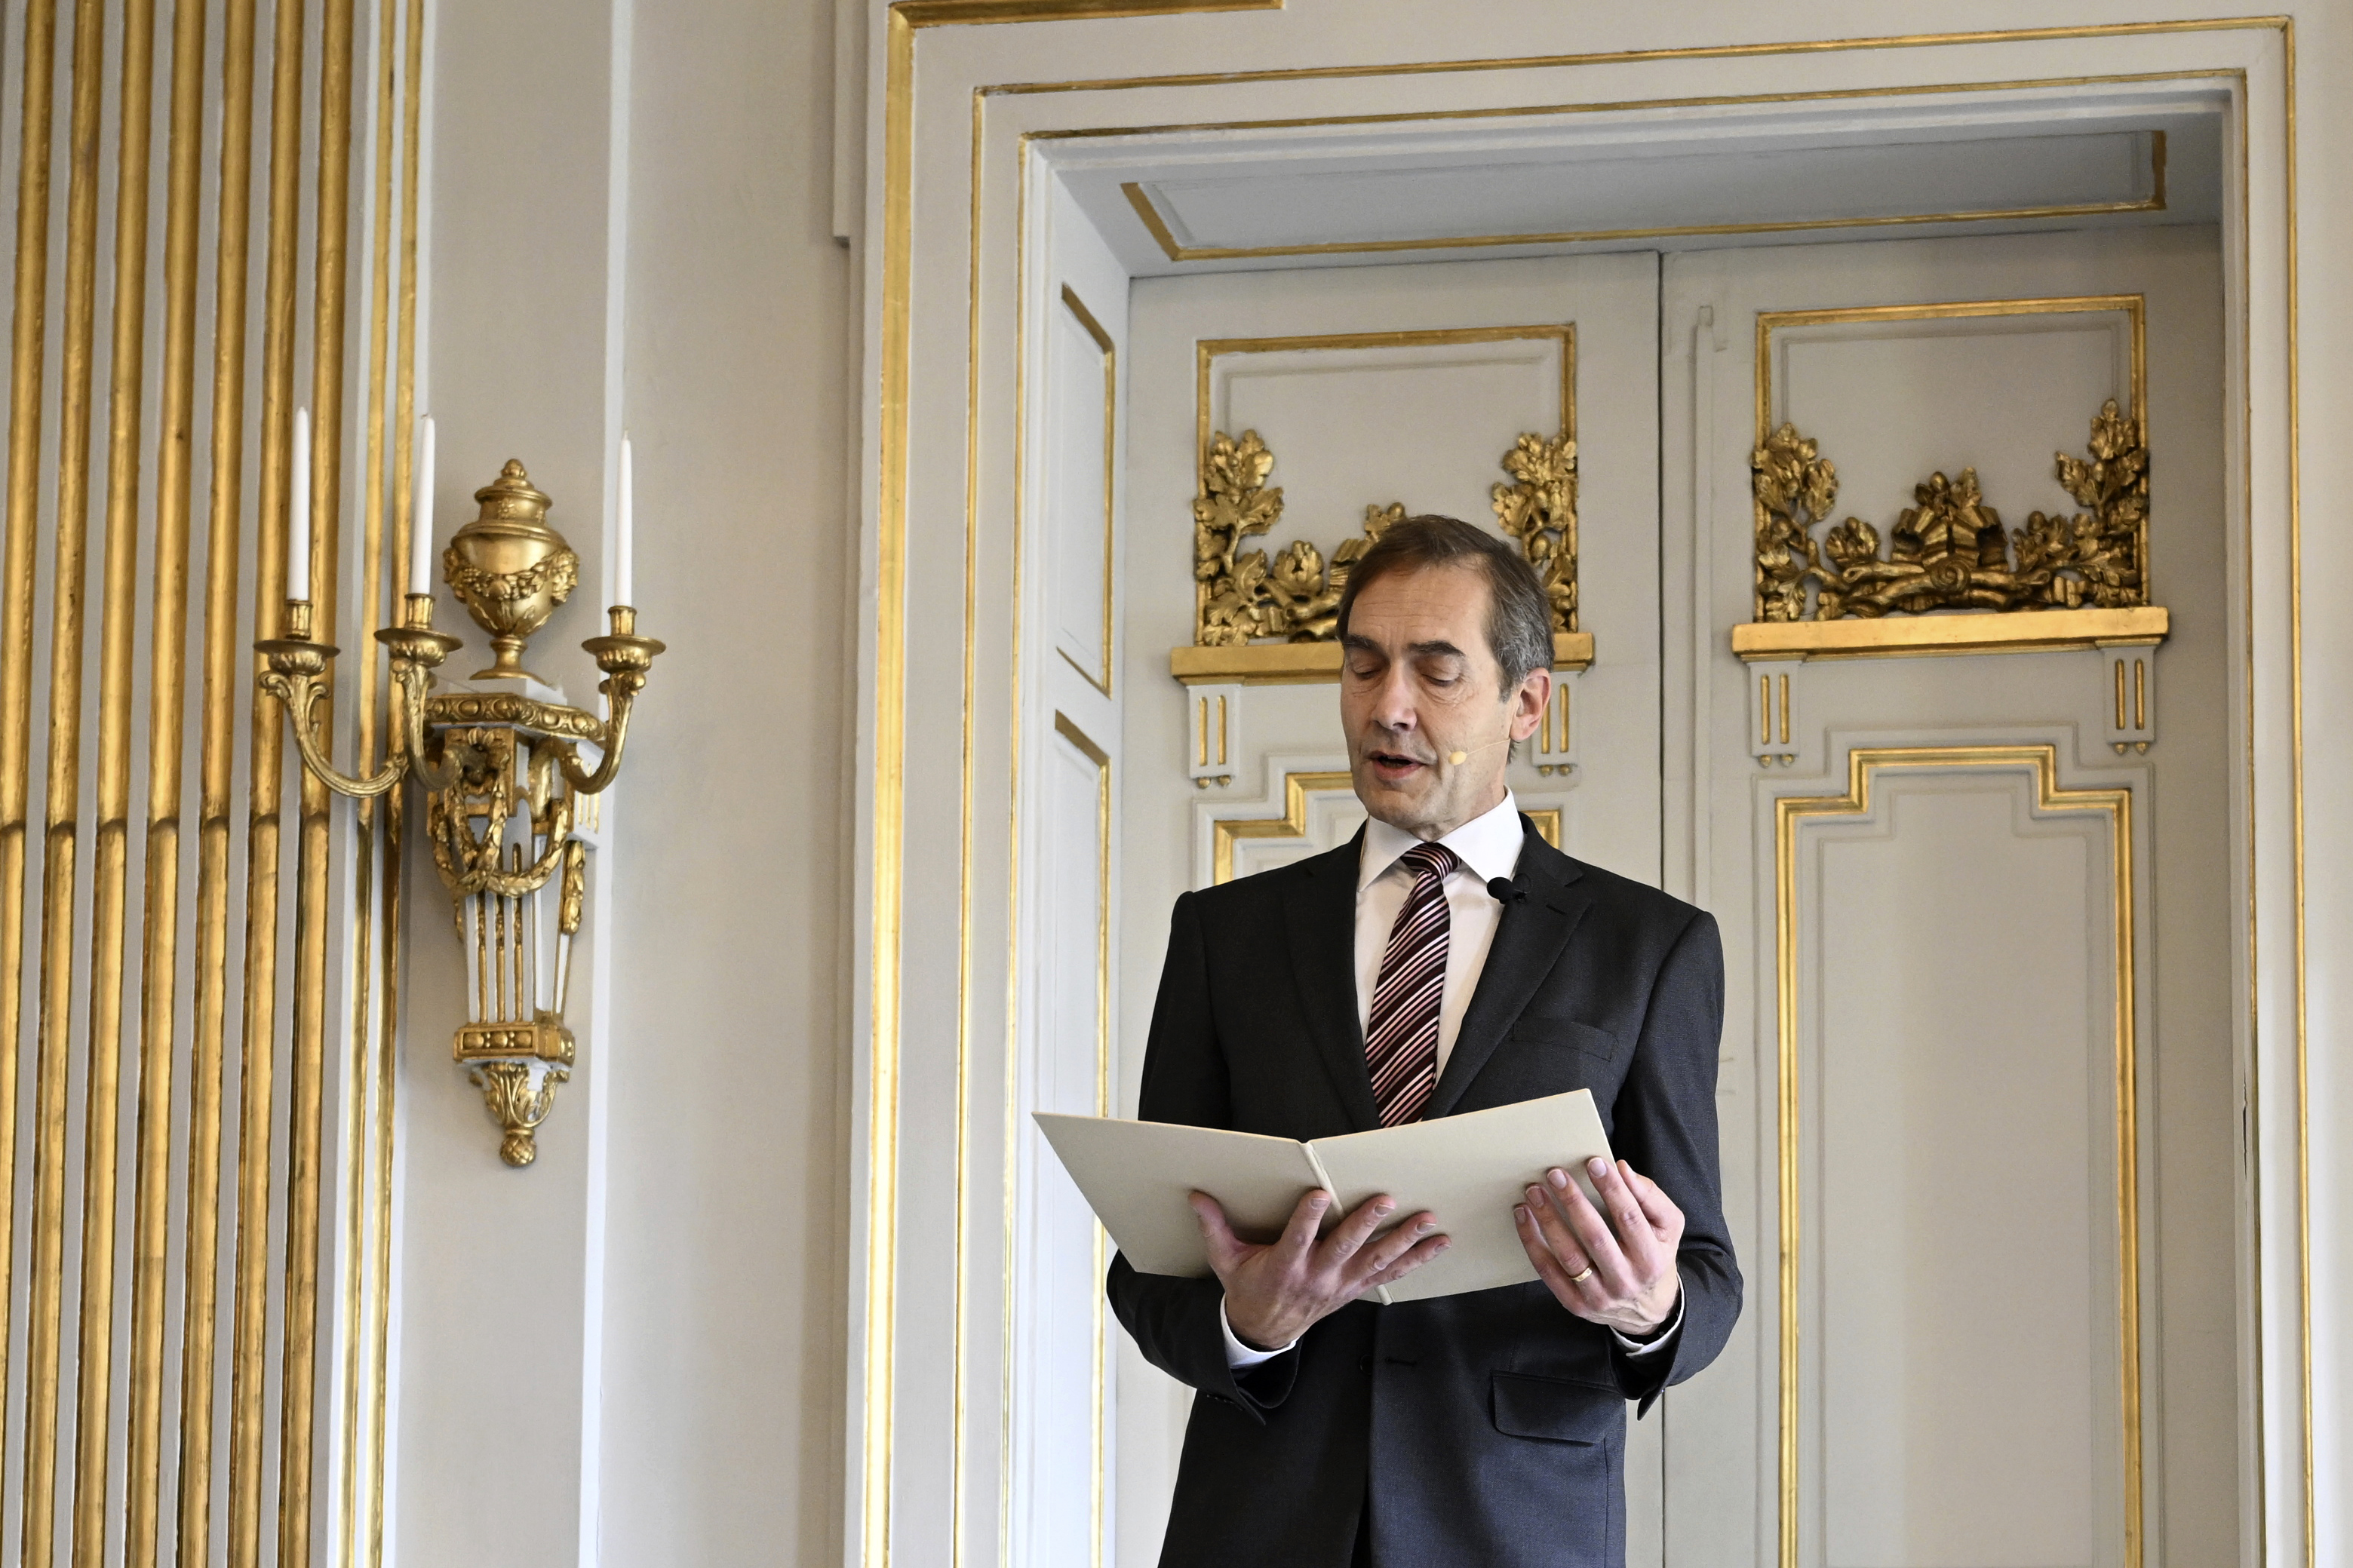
(1489, 845)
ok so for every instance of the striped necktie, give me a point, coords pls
(1401, 1029)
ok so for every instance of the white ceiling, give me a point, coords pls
(1543, 181)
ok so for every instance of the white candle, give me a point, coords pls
(625, 540)
(298, 512)
(420, 518)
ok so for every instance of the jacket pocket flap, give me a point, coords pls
(1585, 1038)
(1558, 1409)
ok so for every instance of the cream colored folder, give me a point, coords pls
(1468, 1170)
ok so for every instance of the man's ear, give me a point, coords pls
(1529, 702)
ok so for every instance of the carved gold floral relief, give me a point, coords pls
(1244, 598)
(1949, 550)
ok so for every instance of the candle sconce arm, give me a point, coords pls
(625, 657)
(608, 768)
(301, 690)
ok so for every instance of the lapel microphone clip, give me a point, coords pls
(1503, 891)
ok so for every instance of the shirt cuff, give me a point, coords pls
(1237, 1355)
(1665, 1336)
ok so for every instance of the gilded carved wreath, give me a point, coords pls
(1295, 597)
(1950, 551)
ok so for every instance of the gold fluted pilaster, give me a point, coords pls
(25, 368)
(257, 1077)
(387, 1077)
(166, 691)
(306, 1061)
(45, 1292)
(224, 676)
(111, 841)
(385, 609)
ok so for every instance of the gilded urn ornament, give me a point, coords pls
(510, 569)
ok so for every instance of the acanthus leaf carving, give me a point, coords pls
(1295, 595)
(1949, 550)
(1538, 507)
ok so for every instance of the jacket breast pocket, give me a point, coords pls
(1556, 1409)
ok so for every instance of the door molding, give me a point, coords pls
(946, 292)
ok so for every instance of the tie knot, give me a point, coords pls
(1434, 861)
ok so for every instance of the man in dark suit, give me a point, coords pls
(1446, 959)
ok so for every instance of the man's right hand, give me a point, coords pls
(1274, 1293)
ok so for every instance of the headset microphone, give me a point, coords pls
(1456, 759)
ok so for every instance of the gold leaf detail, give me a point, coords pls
(1948, 550)
(1539, 509)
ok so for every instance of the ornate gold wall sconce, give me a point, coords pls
(502, 770)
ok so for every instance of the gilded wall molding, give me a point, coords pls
(1865, 768)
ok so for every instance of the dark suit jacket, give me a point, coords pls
(1490, 1426)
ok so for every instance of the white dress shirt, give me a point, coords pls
(1485, 848)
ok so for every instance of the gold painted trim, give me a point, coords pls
(2295, 778)
(44, 1294)
(387, 1062)
(1099, 1386)
(1157, 224)
(223, 678)
(1789, 812)
(1226, 832)
(1943, 633)
(2135, 307)
(877, 1392)
(110, 858)
(306, 1075)
(167, 690)
(1103, 340)
(26, 365)
(964, 13)
(248, 1373)
(1640, 57)
(1315, 663)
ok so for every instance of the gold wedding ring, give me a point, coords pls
(1581, 1277)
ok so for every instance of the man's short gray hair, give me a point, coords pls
(1519, 618)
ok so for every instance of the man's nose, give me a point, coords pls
(1393, 706)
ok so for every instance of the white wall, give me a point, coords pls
(720, 1194)
(698, 1390)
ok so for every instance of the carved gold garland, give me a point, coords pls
(1949, 550)
(1244, 598)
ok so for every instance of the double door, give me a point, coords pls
(1980, 1151)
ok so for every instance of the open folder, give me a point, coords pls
(1467, 1171)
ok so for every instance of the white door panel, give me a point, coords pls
(1927, 1059)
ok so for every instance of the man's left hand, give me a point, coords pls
(1618, 1270)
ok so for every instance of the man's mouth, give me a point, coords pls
(1395, 767)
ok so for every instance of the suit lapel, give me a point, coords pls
(1528, 940)
(1321, 906)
